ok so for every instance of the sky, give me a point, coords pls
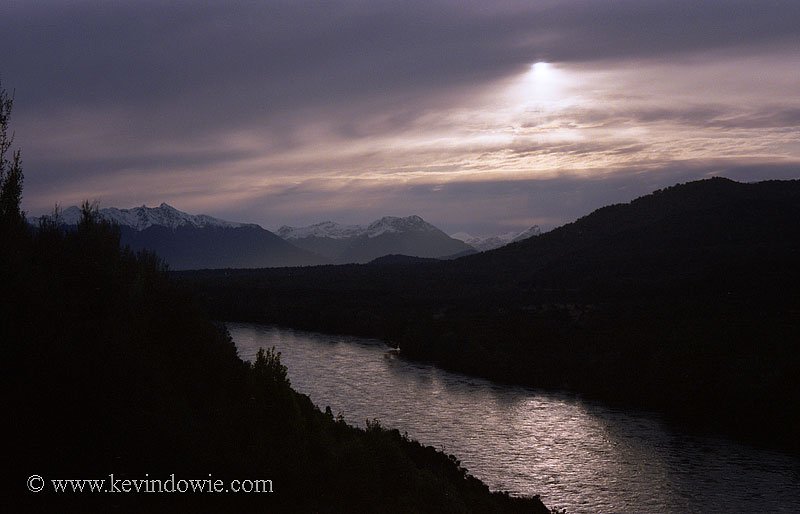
(479, 116)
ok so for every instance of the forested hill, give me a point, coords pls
(690, 232)
(113, 372)
(112, 368)
(686, 300)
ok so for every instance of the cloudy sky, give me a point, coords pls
(480, 116)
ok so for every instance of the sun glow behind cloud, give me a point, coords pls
(544, 84)
(548, 120)
(264, 110)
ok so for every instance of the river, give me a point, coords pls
(576, 454)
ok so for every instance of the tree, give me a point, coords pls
(10, 169)
(268, 370)
(90, 215)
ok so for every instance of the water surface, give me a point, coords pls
(575, 454)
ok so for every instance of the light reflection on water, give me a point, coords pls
(575, 454)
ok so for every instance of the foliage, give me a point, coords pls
(685, 301)
(269, 371)
(11, 175)
(111, 367)
(116, 370)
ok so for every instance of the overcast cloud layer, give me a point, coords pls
(293, 112)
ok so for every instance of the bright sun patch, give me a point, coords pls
(541, 69)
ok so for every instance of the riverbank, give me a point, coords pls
(113, 369)
(672, 302)
(577, 454)
(538, 349)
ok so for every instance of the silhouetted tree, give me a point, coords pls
(268, 368)
(107, 364)
(51, 222)
(10, 169)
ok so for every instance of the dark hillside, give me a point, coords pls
(684, 233)
(110, 368)
(212, 247)
(430, 244)
(686, 300)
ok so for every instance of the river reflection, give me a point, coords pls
(575, 454)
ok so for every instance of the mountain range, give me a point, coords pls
(486, 243)
(187, 241)
(389, 235)
(685, 301)
(142, 218)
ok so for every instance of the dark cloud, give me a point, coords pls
(221, 60)
(590, 30)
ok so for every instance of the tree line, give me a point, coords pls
(109, 366)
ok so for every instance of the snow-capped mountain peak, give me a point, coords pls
(389, 224)
(525, 234)
(485, 243)
(410, 236)
(328, 229)
(140, 218)
(332, 230)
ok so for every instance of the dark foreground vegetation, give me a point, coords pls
(109, 367)
(685, 301)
